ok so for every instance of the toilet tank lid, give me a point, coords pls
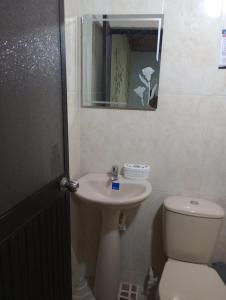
(194, 206)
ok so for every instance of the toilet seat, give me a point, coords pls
(189, 281)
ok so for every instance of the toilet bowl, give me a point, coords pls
(189, 281)
(190, 230)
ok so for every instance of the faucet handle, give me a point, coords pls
(115, 169)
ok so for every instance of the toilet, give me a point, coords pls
(190, 230)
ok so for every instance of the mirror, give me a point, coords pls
(121, 57)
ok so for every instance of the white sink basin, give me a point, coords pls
(97, 189)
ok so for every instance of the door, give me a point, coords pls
(34, 212)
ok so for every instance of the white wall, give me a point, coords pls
(183, 141)
(73, 96)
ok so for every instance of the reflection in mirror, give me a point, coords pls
(121, 60)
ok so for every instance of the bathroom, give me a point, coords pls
(182, 140)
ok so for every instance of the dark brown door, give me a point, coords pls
(34, 213)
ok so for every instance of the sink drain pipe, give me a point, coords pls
(151, 282)
(122, 222)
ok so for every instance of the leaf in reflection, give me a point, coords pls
(147, 72)
(140, 92)
(152, 93)
(143, 80)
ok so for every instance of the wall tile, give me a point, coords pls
(123, 6)
(71, 54)
(214, 168)
(190, 54)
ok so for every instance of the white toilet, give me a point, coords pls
(191, 227)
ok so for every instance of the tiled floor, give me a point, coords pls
(128, 291)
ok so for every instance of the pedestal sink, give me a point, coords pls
(96, 189)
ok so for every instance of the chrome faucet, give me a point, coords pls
(114, 173)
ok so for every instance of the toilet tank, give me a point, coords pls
(190, 228)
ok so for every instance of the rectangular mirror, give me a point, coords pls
(121, 57)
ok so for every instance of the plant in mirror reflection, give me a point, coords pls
(145, 78)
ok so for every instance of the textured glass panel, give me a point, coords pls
(31, 139)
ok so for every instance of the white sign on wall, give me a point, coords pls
(222, 61)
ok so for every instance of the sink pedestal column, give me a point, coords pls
(108, 261)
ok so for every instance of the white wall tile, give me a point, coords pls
(73, 98)
(214, 168)
(191, 50)
(121, 6)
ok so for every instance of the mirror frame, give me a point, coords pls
(107, 54)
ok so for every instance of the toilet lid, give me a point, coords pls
(188, 281)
